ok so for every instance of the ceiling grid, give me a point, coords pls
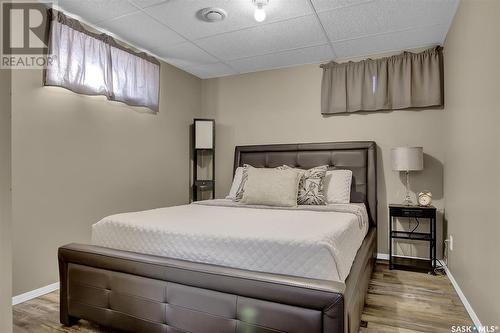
(295, 32)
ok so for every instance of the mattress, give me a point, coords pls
(318, 242)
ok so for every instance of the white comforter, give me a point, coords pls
(308, 241)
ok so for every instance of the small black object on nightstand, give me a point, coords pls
(415, 212)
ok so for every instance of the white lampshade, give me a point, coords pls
(204, 133)
(407, 158)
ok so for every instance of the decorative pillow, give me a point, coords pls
(244, 177)
(337, 186)
(238, 176)
(271, 187)
(310, 190)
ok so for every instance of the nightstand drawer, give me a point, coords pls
(412, 212)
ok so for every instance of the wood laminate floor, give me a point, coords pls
(397, 301)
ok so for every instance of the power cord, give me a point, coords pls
(441, 270)
(413, 230)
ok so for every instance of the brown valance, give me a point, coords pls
(54, 15)
(407, 80)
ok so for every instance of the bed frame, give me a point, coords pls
(143, 293)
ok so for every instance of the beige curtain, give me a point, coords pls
(408, 80)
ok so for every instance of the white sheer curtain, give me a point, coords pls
(81, 62)
(135, 80)
(93, 64)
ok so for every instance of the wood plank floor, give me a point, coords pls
(397, 301)
(402, 301)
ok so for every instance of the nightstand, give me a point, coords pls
(416, 213)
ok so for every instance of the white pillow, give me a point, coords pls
(337, 186)
(271, 187)
(238, 176)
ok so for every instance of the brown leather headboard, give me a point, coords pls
(358, 156)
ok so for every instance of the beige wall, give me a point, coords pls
(283, 106)
(472, 152)
(5, 203)
(79, 158)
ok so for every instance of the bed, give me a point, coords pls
(216, 267)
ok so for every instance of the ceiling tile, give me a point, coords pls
(147, 3)
(323, 5)
(94, 11)
(264, 39)
(209, 70)
(181, 16)
(384, 16)
(315, 54)
(291, 34)
(186, 54)
(394, 41)
(141, 30)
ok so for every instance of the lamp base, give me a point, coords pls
(408, 201)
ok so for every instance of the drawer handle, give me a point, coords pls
(411, 212)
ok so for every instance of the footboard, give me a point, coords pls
(144, 293)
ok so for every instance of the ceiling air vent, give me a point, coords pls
(212, 14)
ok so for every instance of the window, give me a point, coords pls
(95, 64)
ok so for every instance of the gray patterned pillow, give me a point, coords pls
(244, 178)
(311, 185)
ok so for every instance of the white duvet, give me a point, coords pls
(317, 242)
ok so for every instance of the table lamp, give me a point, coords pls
(407, 159)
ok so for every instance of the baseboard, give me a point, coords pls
(35, 293)
(461, 295)
(465, 302)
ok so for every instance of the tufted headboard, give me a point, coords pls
(358, 156)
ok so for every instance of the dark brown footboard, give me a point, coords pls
(143, 293)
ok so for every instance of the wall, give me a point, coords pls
(77, 159)
(5, 203)
(283, 106)
(472, 153)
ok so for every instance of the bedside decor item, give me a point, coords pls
(425, 198)
(407, 159)
(203, 144)
(417, 213)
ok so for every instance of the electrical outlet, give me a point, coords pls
(450, 242)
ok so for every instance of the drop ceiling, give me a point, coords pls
(295, 32)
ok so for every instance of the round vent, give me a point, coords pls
(212, 14)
